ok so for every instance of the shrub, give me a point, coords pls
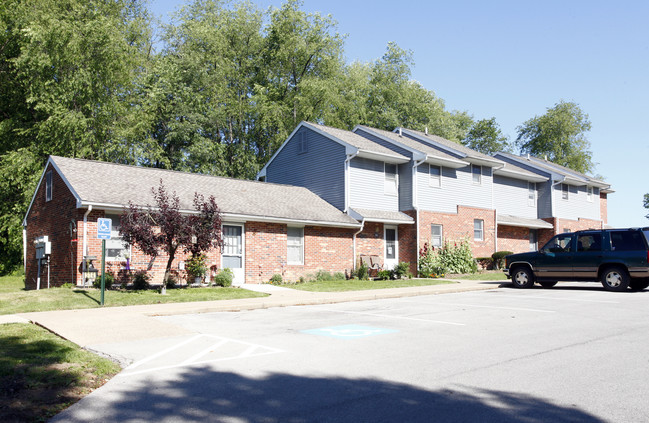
(109, 279)
(498, 258)
(67, 285)
(384, 275)
(141, 280)
(224, 278)
(323, 275)
(430, 263)
(486, 263)
(339, 276)
(276, 279)
(361, 272)
(451, 258)
(402, 270)
(196, 266)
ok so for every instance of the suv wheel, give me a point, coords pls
(615, 279)
(522, 277)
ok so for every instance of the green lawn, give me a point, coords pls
(360, 285)
(42, 374)
(14, 299)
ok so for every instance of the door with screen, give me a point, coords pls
(233, 252)
(391, 248)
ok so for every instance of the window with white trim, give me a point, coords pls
(48, 186)
(116, 248)
(478, 229)
(295, 245)
(435, 173)
(564, 192)
(476, 172)
(391, 179)
(589, 194)
(436, 235)
(531, 194)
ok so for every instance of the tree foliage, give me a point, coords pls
(486, 137)
(646, 203)
(164, 228)
(559, 135)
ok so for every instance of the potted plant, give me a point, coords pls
(196, 267)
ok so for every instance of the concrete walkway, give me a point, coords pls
(122, 324)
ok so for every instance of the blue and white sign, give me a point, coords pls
(349, 331)
(103, 228)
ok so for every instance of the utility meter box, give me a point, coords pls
(43, 247)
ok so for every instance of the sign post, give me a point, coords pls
(103, 233)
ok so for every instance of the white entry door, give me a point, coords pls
(391, 253)
(233, 252)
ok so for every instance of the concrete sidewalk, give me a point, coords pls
(122, 324)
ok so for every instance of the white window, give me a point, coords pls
(476, 171)
(436, 235)
(48, 186)
(531, 194)
(295, 246)
(116, 248)
(391, 180)
(564, 191)
(589, 194)
(435, 173)
(302, 146)
(478, 229)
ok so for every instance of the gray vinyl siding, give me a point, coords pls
(405, 186)
(511, 197)
(576, 205)
(321, 168)
(544, 202)
(457, 189)
(367, 186)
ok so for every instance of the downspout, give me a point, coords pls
(84, 253)
(354, 242)
(552, 199)
(415, 203)
(347, 166)
(25, 245)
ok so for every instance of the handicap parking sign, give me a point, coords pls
(103, 228)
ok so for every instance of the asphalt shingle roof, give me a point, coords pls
(110, 184)
(356, 140)
(452, 145)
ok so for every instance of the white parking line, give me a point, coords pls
(394, 317)
(542, 297)
(163, 352)
(483, 306)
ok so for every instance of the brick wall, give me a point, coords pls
(513, 238)
(325, 248)
(459, 226)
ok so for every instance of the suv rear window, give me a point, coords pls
(627, 241)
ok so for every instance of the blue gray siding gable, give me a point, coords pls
(320, 168)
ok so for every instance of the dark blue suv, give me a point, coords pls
(618, 258)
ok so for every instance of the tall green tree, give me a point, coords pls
(646, 203)
(66, 74)
(560, 135)
(486, 137)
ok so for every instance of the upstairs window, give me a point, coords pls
(564, 191)
(435, 173)
(478, 230)
(476, 171)
(589, 194)
(295, 245)
(531, 194)
(391, 180)
(48, 186)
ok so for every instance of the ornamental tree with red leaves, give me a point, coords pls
(164, 228)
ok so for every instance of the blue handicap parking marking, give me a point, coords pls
(349, 331)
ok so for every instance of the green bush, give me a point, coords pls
(339, 276)
(196, 266)
(109, 279)
(224, 278)
(323, 275)
(361, 272)
(276, 279)
(453, 257)
(171, 282)
(402, 270)
(384, 275)
(498, 257)
(141, 280)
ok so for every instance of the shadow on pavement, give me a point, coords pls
(205, 395)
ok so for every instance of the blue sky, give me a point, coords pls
(514, 59)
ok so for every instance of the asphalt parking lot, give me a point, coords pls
(568, 354)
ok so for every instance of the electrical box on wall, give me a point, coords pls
(43, 247)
